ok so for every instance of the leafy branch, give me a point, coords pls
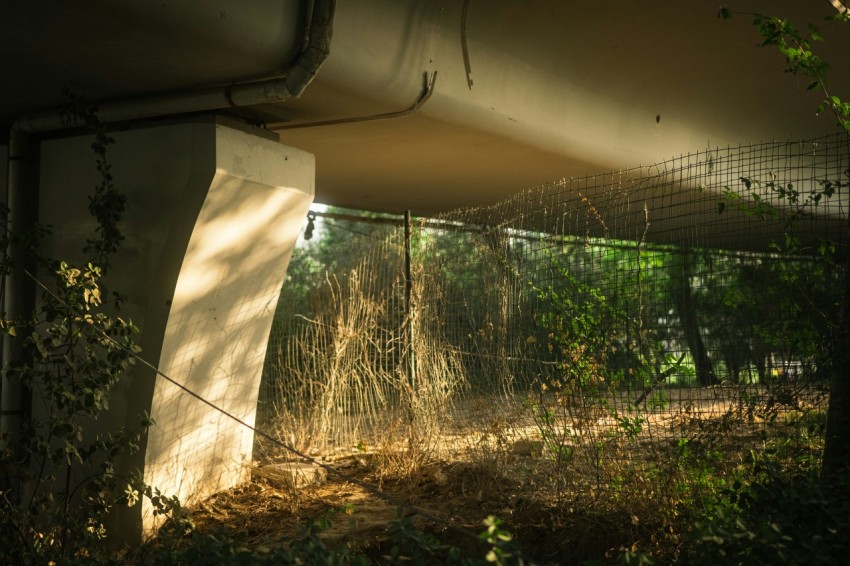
(800, 58)
(106, 203)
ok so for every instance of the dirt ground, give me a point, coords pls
(454, 499)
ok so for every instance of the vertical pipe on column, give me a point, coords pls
(21, 199)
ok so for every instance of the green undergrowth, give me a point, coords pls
(692, 503)
(406, 544)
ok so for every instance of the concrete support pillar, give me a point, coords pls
(213, 214)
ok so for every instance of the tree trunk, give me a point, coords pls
(690, 325)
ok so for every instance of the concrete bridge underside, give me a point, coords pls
(220, 112)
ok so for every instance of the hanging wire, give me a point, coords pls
(389, 498)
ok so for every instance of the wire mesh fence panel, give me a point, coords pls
(598, 318)
(334, 350)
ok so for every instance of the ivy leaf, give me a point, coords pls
(724, 13)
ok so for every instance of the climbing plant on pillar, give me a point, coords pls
(801, 60)
(61, 479)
